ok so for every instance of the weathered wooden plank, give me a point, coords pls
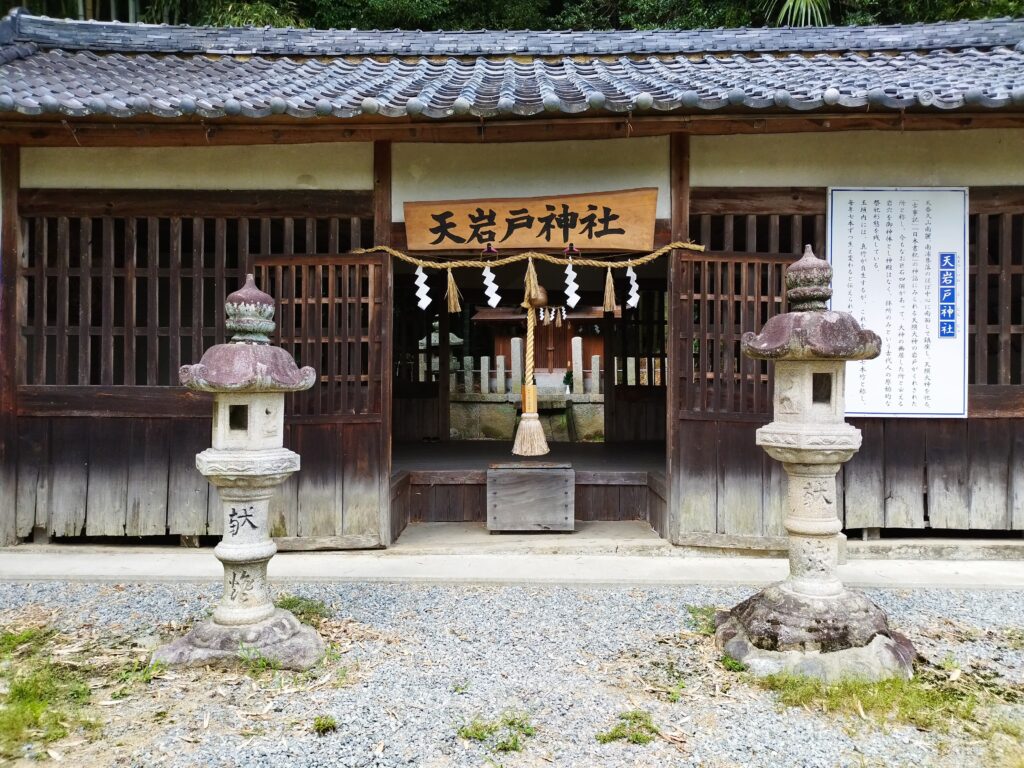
(10, 340)
(634, 502)
(980, 302)
(63, 310)
(69, 476)
(755, 200)
(949, 495)
(320, 499)
(696, 477)
(904, 446)
(864, 486)
(1017, 475)
(130, 264)
(520, 499)
(84, 300)
(988, 457)
(283, 513)
(739, 480)
(107, 498)
(187, 490)
(991, 401)
(148, 467)
(361, 481)
(107, 303)
(118, 401)
(448, 477)
(33, 475)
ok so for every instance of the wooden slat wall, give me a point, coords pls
(909, 473)
(110, 306)
(461, 496)
(636, 412)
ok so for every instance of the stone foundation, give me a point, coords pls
(282, 639)
(565, 418)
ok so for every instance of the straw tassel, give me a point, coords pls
(530, 440)
(453, 294)
(531, 293)
(609, 291)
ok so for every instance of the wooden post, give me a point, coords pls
(10, 180)
(679, 179)
(382, 236)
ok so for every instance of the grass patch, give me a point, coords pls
(255, 663)
(733, 665)
(507, 733)
(324, 724)
(43, 700)
(635, 727)
(933, 700)
(703, 619)
(307, 611)
(1014, 639)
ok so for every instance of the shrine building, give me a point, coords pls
(145, 170)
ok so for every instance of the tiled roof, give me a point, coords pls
(124, 70)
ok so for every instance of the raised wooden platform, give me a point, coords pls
(447, 482)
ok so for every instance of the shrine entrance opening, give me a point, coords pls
(601, 380)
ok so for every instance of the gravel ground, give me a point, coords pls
(421, 660)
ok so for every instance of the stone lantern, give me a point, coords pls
(810, 624)
(248, 461)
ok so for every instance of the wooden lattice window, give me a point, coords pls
(330, 316)
(997, 296)
(125, 300)
(733, 288)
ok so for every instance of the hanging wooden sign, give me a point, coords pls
(619, 221)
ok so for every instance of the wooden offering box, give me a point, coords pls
(531, 496)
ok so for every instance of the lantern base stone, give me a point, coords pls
(282, 640)
(830, 638)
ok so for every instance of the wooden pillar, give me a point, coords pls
(382, 236)
(10, 179)
(679, 165)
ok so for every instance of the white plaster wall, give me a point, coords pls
(914, 158)
(528, 169)
(346, 165)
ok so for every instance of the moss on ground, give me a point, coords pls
(635, 726)
(507, 733)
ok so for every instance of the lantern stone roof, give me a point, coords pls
(249, 363)
(60, 68)
(809, 330)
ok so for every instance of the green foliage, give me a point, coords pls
(507, 733)
(703, 619)
(255, 663)
(305, 610)
(324, 724)
(930, 701)
(634, 726)
(733, 665)
(42, 698)
(25, 641)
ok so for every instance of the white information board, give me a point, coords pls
(899, 256)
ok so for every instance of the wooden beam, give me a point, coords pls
(92, 132)
(382, 236)
(189, 202)
(10, 180)
(679, 179)
(122, 401)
